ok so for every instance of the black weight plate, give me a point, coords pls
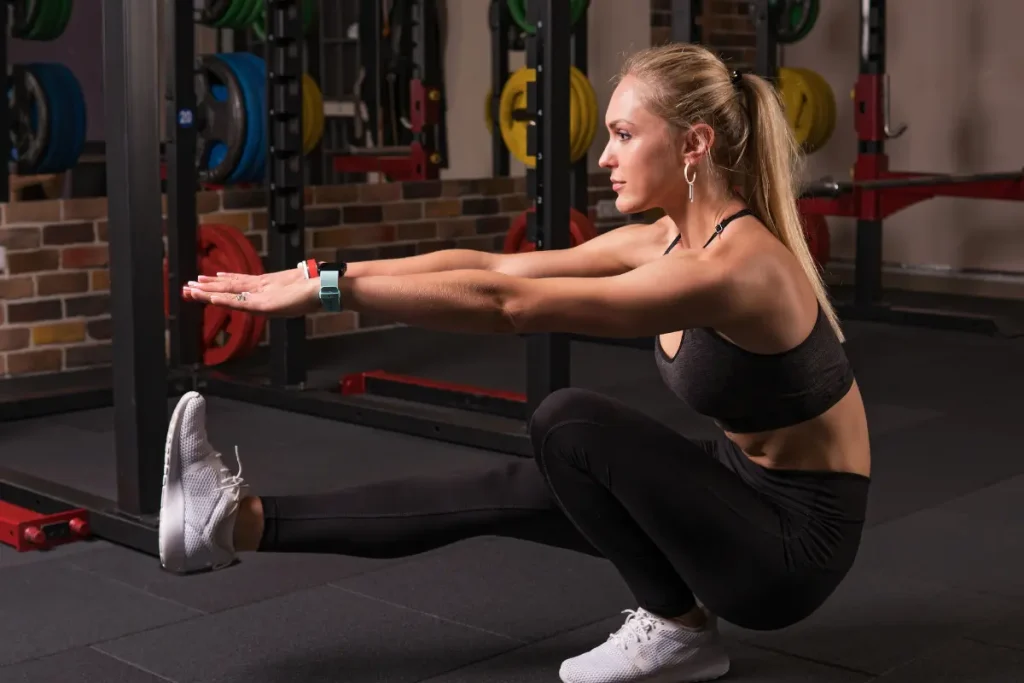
(29, 140)
(218, 121)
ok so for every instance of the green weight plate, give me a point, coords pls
(50, 26)
(255, 12)
(25, 17)
(517, 8)
(40, 17)
(61, 24)
(235, 8)
(795, 19)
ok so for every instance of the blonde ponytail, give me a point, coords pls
(773, 164)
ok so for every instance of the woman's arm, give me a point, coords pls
(666, 295)
(671, 293)
(434, 262)
(610, 253)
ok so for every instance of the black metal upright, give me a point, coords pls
(500, 22)
(285, 209)
(868, 259)
(548, 101)
(685, 27)
(766, 17)
(132, 111)
(181, 121)
(579, 180)
(5, 116)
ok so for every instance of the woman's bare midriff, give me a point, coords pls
(836, 440)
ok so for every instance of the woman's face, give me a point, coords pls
(644, 157)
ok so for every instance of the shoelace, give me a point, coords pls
(232, 482)
(637, 628)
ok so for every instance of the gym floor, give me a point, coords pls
(937, 593)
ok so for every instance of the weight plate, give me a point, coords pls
(312, 114)
(580, 231)
(795, 19)
(255, 71)
(232, 240)
(30, 120)
(220, 120)
(517, 8)
(818, 238)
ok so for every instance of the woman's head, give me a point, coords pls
(678, 112)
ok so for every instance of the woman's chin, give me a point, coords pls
(627, 205)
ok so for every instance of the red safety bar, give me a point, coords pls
(877, 203)
(355, 383)
(24, 529)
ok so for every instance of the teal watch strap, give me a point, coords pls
(330, 295)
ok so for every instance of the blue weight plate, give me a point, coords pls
(65, 123)
(244, 168)
(258, 70)
(76, 116)
(220, 115)
(55, 119)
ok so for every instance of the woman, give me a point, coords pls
(760, 525)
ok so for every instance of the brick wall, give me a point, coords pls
(54, 295)
(726, 24)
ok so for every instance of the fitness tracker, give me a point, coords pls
(330, 295)
(310, 268)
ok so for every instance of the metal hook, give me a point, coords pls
(902, 128)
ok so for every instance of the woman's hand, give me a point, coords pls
(288, 300)
(257, 283)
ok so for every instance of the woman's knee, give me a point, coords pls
(561, 407)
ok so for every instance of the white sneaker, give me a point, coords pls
(200, 496)
(653, 650)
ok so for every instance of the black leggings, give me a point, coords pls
(681, 520)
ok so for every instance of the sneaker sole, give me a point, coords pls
(712, 670)
(172, 497)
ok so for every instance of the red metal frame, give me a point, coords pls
(25, 530)
(421, 162)
(879, 203)
(507, 404)
(356, 383)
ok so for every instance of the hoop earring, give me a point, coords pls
(689, 180)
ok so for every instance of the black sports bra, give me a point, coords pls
(749, 392)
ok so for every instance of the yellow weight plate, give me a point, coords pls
(582, 92)
(796, 95)
(583, 115)
(312, 114)
(592, 112)
(826, 97)
(513, 97)
(818, 104)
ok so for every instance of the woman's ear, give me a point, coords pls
(697, 142)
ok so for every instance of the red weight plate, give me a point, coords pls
(226, 332)
(580, 231)
(254, 267)
(818, 238)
